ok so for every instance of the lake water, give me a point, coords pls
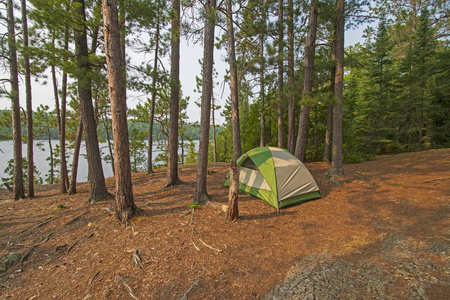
(41, 155)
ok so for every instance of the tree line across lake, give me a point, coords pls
(292, 82)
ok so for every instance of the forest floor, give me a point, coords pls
(382, 231)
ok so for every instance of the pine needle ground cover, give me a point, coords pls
(381, 230)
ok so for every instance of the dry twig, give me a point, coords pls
(198, 249)
(137, 260)
(130, 291)
(218, 250)
(184, 297)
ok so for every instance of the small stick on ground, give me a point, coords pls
(198, 249)
(192, 216)
(137, 260)
(186, 213)
(184, 297)
(92, 279)
(218, 250)
(130, 291)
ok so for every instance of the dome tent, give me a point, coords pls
(275, 176)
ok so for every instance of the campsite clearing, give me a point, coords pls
(381, 231)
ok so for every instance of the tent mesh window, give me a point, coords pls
(248, 163)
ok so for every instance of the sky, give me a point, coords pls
(189, 68)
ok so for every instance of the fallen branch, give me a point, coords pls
(218, 250)
(437, 179)
(184, 297)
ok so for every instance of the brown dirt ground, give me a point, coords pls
(382, 215)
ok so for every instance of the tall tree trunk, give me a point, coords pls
(262, 95)
(213, 108)
(310, 50)
(96, 177)
(233, 211)
(326, 149)
(62, 138)
(18, 186)
(181, 140)
(125, 207)
(50, 147)
(201, 195)
(108, 139)
(61, 133)
(152, 110)
(75, 159)
(337, 167)
(291, 79)
(26, 58)
(172, 167)
(280, 60)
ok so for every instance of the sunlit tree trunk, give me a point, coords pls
(201, 195)
(96, 178)
(18, 186)
(125, 207)
(172, 167)
(233, 211)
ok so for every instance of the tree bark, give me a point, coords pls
(302, 134)
(172, 167)
(61, 133)
(76, 155)
(125, 207)
(96, 178)
(201, 195)
(152, 110)
(26, 58)
(262, 140)
(291, 79)
(18, 186)
(49, 136)
(280, 61)
(233, 208)
(213, 108)
(337, 168)
(62, 138)
(326, 149)
(233, 211)
(108, 139)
